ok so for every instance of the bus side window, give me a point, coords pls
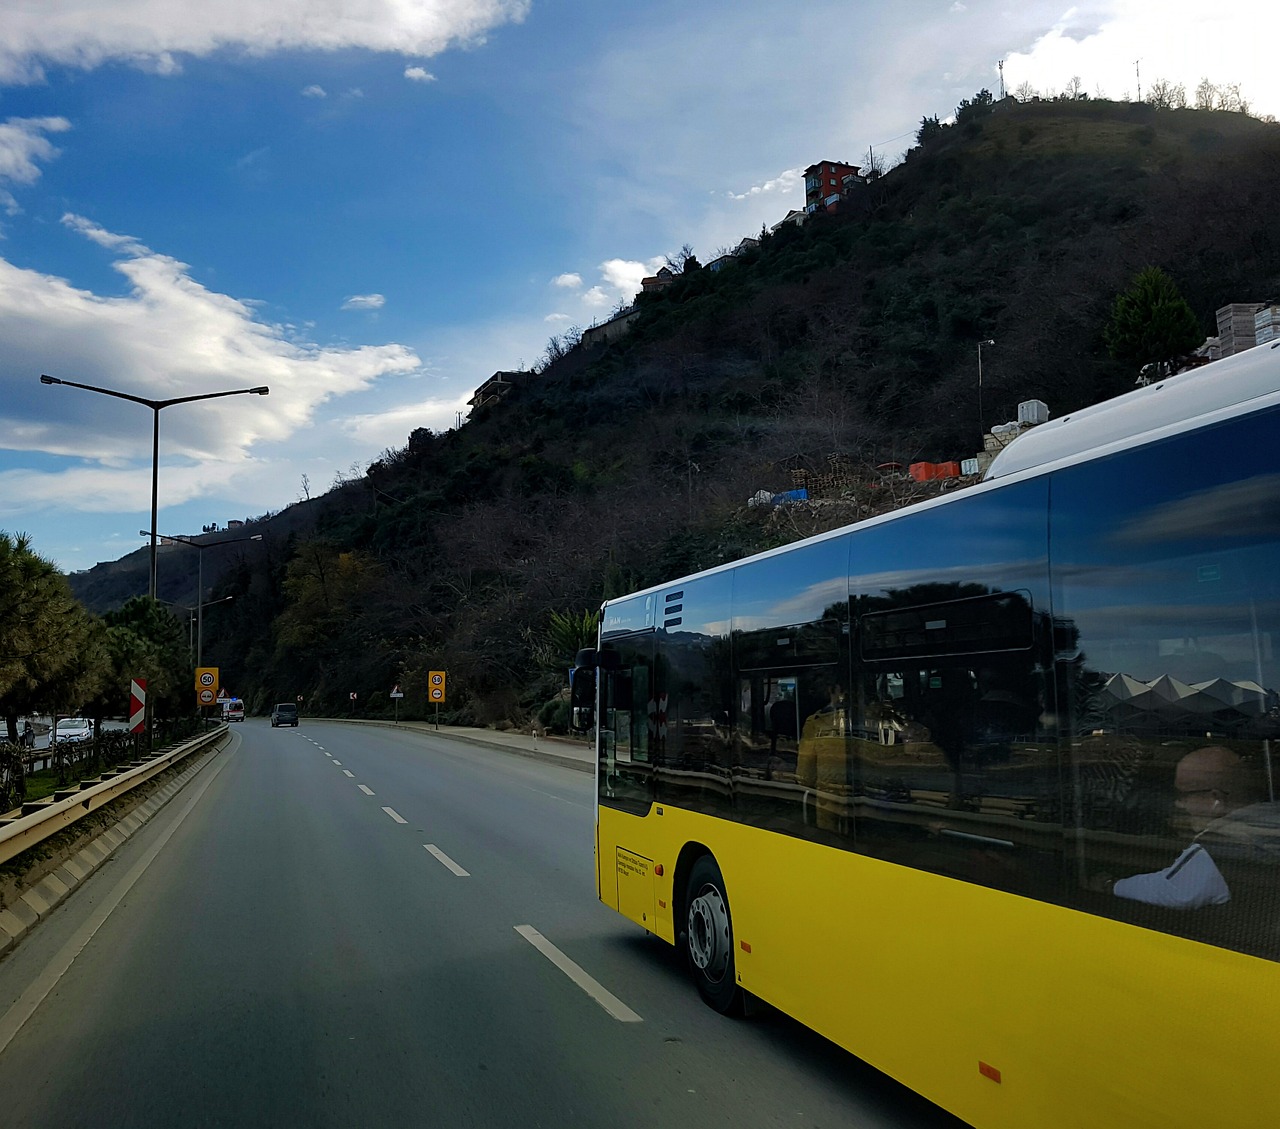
(1168, 604)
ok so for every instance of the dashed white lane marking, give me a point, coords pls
(348, 772)
(446, 860)
(395, 815)
(328, 754)
(597, 991)
(338, 763)
(365, 789)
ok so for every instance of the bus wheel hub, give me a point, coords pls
(709, 933)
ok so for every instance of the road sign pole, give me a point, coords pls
(437, 717)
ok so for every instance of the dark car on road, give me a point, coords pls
(286, 713)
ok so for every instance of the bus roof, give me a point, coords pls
(1227, 383)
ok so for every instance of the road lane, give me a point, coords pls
(296, 957)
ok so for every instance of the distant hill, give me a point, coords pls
(835, 347)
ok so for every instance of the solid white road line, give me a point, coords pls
(447, 861)
(26, 1004)
(395, 815)
(365, 789)
(597, 991)
(348, 772)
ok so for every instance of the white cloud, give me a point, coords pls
(569, 280)
(23, 142)
(624, 275)
(789, 180)
(149, 33)
(418, 74)
(1178, 40)
(364, 302)
(597, 297)
(168, 336)
(958, 7)
(380, 430)
(556, 319)
(314, 91)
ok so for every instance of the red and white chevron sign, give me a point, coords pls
(137, 705)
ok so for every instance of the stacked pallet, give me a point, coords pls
(1266, 324)
(1235, 327)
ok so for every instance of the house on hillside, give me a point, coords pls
(495, 388)
(824, 184)
(660, 281)
(795, 216)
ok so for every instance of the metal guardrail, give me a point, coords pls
(26, 831)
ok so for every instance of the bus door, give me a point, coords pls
(632, 729)
(632, 725)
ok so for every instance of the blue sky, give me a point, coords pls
(372, 213)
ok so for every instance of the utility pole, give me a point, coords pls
(982, 430)
(1000, 66)
(1137, 71)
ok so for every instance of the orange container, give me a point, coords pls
(946, 470)
(922, 472)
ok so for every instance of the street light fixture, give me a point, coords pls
(200, 548)
(192, 614)
(156, 406)
(982, 431)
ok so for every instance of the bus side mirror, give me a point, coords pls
(582, 698)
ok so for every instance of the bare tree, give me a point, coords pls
(1227, 96)
(1074, 89)
(1025, 91)
(873, 164)
(1166, 95)
(677, 262)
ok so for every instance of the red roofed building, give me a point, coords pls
(824, 182)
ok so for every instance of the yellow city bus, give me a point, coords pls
(984, 790)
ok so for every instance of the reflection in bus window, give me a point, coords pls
(626, 776)
(954, 760)
(692, 705)
(1169, 606)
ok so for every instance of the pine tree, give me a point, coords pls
(1151, 322)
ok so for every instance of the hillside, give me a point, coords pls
(843, 344)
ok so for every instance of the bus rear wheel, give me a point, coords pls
(709, 938)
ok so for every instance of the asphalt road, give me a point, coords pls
(290, 943)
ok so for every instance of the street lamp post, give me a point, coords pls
(981, 427)
(192, 614)
(200, 604)
(156, 406)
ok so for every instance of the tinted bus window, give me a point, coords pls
(627, 729)
(953, 760)
(1168, 605)
(690, 711)
(790, 636)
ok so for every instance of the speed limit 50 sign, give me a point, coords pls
(206, 685)
(436, 685)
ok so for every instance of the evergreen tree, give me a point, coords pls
(1151, 322)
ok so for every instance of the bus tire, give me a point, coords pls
(708, 938)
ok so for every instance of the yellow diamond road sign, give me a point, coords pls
(436, 685)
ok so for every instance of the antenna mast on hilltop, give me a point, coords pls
(1000, 67)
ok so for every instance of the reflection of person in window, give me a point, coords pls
(1214, 804)
(822, 756)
